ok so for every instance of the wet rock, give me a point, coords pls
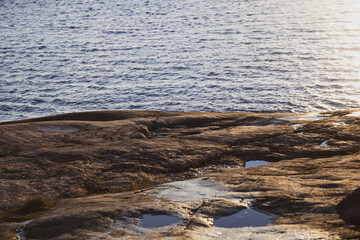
(221, 207)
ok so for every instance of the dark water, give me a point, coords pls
(155, 221)
(61, 56)
(244, 218)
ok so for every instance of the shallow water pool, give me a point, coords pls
(256, 163)
(244, 218)
(156, 221)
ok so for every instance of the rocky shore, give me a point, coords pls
(96, 175)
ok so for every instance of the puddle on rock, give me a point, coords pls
(256, 163)
(275, 122)
(324, 144)
(50, 128)
(244, 218)
(340, 124)
(21, 235)
(296, 126)
(353, 114)
(157, 221)
(20, 232)
(310, 116)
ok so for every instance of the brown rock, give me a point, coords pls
(349, 208)
(95, 155)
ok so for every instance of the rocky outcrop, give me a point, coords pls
(349, 208)
(94, 163)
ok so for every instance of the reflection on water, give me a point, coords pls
(181, 55)
(244, 218)
(155, 221)
(255, 163)
(354, 114)
(324, 144)
(308, 116)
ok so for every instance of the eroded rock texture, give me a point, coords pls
(315, 165)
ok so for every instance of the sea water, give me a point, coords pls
(178, 55)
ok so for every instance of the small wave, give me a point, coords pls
(281, 53)
(211, 74)
(356, 49)
(27, 109)
(5, 108)
(51, 76)
(114, 32)
(37, 101)
(180, 68)
(352, 29)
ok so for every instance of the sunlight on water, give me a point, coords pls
(224, 55)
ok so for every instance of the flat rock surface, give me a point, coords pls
(102, 163)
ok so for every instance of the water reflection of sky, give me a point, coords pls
(244, 218)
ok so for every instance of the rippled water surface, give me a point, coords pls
(61, 56)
